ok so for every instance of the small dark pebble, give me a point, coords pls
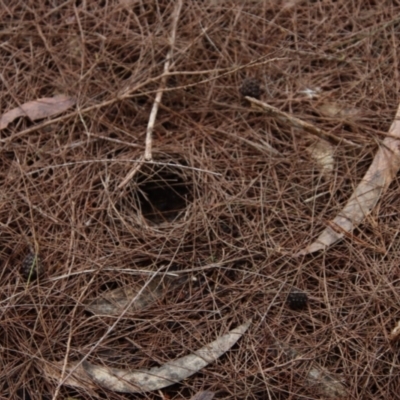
(32, 266)
(297, 300)
(251, 87)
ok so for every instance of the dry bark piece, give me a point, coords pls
(170, 373)
(251, 87)
(32, 266)
(377, 179)
(38, 109)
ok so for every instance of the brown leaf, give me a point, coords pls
(317, 377)
(205, 395)
(377, 179)
(172, 372)
(115, 301)
(38, 109)
(337, 110)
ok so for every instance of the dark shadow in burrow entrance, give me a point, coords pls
(163, 192)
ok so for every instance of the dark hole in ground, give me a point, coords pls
(163, 193)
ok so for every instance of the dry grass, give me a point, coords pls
(245, 207)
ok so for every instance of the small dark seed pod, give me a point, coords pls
(297, 299)
(32, 266)
(251, 87)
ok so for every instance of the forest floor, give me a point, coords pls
(161, 209)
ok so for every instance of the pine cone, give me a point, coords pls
(251, 87)
(32, 266)
(297, 299)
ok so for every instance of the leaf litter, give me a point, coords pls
(38, 109)
(172, 372)
(70, 195)
(113, 302)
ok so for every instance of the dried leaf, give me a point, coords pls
(170, 373)
(380, 174)
(38, 109)
(322, 152)
(336, 110)
(206, 395)
(115, 301)
(318, 377)
(326, 384)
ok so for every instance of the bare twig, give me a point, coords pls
(153, 115)
(131, 92)
(116, 160)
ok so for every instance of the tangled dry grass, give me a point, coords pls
(218, 207)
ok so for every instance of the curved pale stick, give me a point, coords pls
(152, 119)
(170, 373)
(380, 174)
